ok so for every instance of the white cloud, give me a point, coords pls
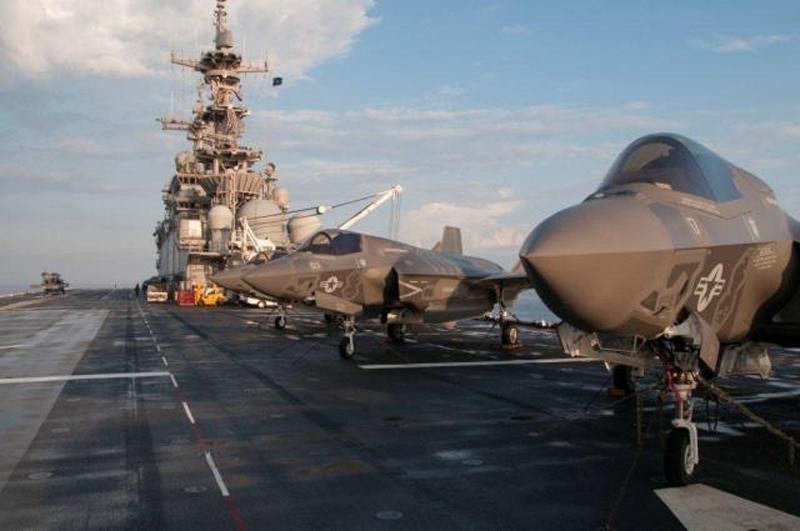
(455, 142)
(128, 38)
(483, 225)
(736, 44)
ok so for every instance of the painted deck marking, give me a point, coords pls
(72, 377)
(217, 476)
(702, 507)
(547, 361)
(228, 500)
(188, 412)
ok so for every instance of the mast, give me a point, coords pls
(218, 170)
(218, 123)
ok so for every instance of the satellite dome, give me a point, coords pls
(220, 217)
(266, 219)
(303, 227)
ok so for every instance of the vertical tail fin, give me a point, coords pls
(451, 242)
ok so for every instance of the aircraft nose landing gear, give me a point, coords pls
(681, 454)
(347, 346)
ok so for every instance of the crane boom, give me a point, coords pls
(380, 198)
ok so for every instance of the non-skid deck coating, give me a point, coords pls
(229, 423)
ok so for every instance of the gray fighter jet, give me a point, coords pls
(679, 256)
(361, 276)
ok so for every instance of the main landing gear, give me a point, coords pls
(509, 333)
(280, 320)
(396, 332)
(622, 381)
(681, 454)
(347, 346)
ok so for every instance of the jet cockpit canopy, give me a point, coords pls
(673, 162)
(334, 243)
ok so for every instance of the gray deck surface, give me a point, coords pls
(304, 440)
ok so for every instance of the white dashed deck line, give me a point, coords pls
(174, 381)
(703, 508)
(217, 476)
(164, 361)
(73, 377)
(398, 366)
(188, 412)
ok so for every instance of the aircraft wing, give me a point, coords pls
(511, 284)
(336, 304)
(513, 281)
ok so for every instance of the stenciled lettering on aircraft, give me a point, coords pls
(709, 287)
(330, 284)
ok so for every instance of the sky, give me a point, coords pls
(491, 114)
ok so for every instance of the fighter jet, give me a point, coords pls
(678, 256)
(361, 276)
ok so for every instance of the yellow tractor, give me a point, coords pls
(208, 296)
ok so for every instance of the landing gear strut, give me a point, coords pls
(347, 346)
(681, 455)
(280, 321)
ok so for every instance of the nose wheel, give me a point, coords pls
(347, 346)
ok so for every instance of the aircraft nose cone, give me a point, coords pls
(274, 278)
(231, 279)
(593, 264)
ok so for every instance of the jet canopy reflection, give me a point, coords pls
(337, 243)
(674, 162)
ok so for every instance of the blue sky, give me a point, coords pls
(492, 114)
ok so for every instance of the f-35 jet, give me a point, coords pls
(678, 256)
(360, 276)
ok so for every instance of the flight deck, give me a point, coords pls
(119, 414)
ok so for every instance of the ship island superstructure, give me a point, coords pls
(219, 209)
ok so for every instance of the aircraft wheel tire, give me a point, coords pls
(330, 319)
(622, 378)
(347, 348)
(280, 322)
(510, 334)
(201, 303)
(677, 468)
(396, 332)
